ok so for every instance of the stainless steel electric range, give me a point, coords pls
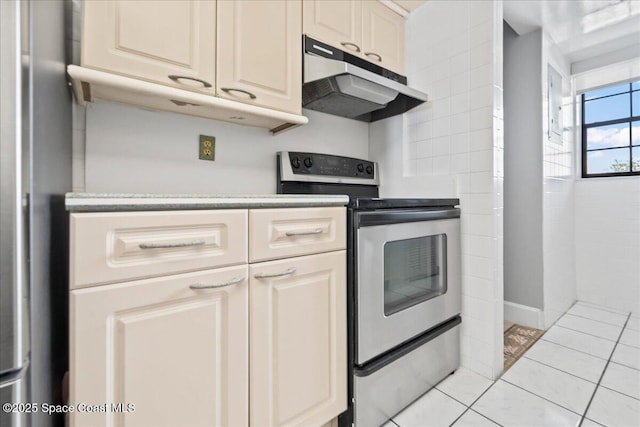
(403, 284)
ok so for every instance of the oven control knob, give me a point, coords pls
(308, 162)
(295, 162)
(369, 169)
(360, 167)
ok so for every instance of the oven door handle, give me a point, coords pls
(398, 216)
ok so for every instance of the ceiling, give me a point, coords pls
(581, 29)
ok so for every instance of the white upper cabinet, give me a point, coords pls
(367, 29)
(335, 22)
(383, 36)
(260, 53)
(167, 42)
(139, 52)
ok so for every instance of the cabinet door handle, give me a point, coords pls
(304, 232)
(230, 89)
(171, 245)
(270, 275)
(231, 282)
(347, 44)
(178, 78)
(374, 54)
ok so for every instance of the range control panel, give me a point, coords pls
(329, 165)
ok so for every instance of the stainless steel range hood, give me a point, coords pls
(338, 83)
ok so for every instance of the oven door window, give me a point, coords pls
(415, 270)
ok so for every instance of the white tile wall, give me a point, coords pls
(558, 240)
(607, 227)
(459, 134)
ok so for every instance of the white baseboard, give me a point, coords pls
(523, 315)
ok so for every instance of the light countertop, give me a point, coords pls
(114, 202)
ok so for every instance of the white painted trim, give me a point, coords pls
(396, 8)
(523, 315)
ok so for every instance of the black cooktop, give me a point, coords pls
(382, 203)
(314, 173)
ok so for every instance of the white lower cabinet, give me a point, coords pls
(298, 368)
(260, 344)
(178, 355)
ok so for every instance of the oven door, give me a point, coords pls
(408, 276)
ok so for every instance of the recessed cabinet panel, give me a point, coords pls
(128, 245)
(280, 233)
(259, 53)
(298, 340)
(335, 22)
(178, 355)
(383, 36)
(152, 40)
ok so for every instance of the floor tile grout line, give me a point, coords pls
(619, 392)
(448, 395)
(474, 402)
(541, 397)
(484, 416)
(595, 320)
(595, 422)
(593, 335)
(558, 369)
(571, 348)
(622, 364)
(598, 307)
(587, 333)
(603, 372)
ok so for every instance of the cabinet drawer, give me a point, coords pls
(281, 233)
(111, 247)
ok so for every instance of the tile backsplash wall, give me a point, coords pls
(458, 134)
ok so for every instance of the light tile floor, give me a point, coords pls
(584, 371)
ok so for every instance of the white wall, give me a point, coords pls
(558, 199)
(523, 264)
(607, 220)
(132, 150)
(608, 242)
(452, 146)
(539, 191)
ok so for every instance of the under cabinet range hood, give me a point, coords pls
(338, 83)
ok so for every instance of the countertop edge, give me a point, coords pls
(94, 202)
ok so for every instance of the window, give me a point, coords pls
(611, 131)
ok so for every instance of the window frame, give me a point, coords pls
(630, 120)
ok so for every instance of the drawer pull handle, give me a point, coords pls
(178, 78)
(231, 282)
(230, 89)
(269, 276)
(374, 54)
(347, 44)
(304, 233)
(171, 245)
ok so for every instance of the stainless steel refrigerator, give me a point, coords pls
(35, 172)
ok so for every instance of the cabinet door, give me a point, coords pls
(178, 355)
(298, 342)
(383, 36)
(153, 40)
(259, 53)
(335, 22)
